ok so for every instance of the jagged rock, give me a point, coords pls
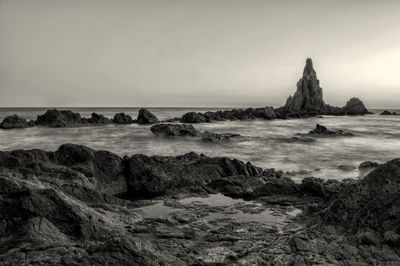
(308, 96)
(169, 130)
(146, 117)
(60, 118)
(211, 137)
(355, 107)
(388, 113)
(154, 175)
(373, 202)
(367, 165)
(72, 164)
(14, 121)
(323, 131)
(98, 119)
(122, 118)
(193, 117)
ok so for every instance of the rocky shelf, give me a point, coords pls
(79, 206)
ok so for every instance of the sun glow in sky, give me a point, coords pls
(196, 53)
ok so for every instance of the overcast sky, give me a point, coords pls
(196, 53)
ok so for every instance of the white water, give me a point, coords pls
(377, 139)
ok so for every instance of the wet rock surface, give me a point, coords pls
(14, 121)
(388, 113)
(173, 130)
(355, 107)
(323, 131)
(60, 118)
(60, 208)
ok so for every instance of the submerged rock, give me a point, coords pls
(122, 118)
(355, 107)
(323, 131)
(211, 137)
(14, 121)
(170, 130)
(388, 113)
(146, 117)
(367, 165)
(60, 118)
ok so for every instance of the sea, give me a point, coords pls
(264, 143)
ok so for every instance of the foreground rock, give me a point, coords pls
(14, 121)
(58, 208)
(146, 117)
(173, 130)
(323, 131)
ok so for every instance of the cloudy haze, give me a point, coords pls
(196, 53)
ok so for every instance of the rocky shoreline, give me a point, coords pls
(79, 206)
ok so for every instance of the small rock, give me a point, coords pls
(170, 130)
(14, 121)
(122, 118)
(367, 165)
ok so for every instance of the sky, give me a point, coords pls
(217, 53)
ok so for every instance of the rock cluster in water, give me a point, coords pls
(186, 130)
(61, 208)
(323, 131)
(67, 118)
(306, 101)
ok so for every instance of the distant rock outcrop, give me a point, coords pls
(122, 118)
(388, 113)
(99, 119)
(14, 121)
(60, 118)
(308, 96)
(146, 117)
(355, 107)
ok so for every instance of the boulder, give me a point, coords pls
(323, 131)
(14, 121)
(98, 119)
(265, 112)
(146, 117)
(193, 117)
(122, 118)
(367, 165)
(60, 118)
(355, 107)
(388, 113)
(172, 130)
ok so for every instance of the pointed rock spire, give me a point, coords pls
(308, 96)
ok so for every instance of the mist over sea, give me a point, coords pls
(265, 143)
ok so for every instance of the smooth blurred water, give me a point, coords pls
(377, 139)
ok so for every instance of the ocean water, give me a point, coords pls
(264, 143)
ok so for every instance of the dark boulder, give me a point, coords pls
(265, 112)
(171, 130)
(355, 107)
(367, 165)
(193, 117)
(323, 131)
(98, 119)
(146, 117)
(60, 118)
(388, 113)
(122, 118)
(14, 121)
